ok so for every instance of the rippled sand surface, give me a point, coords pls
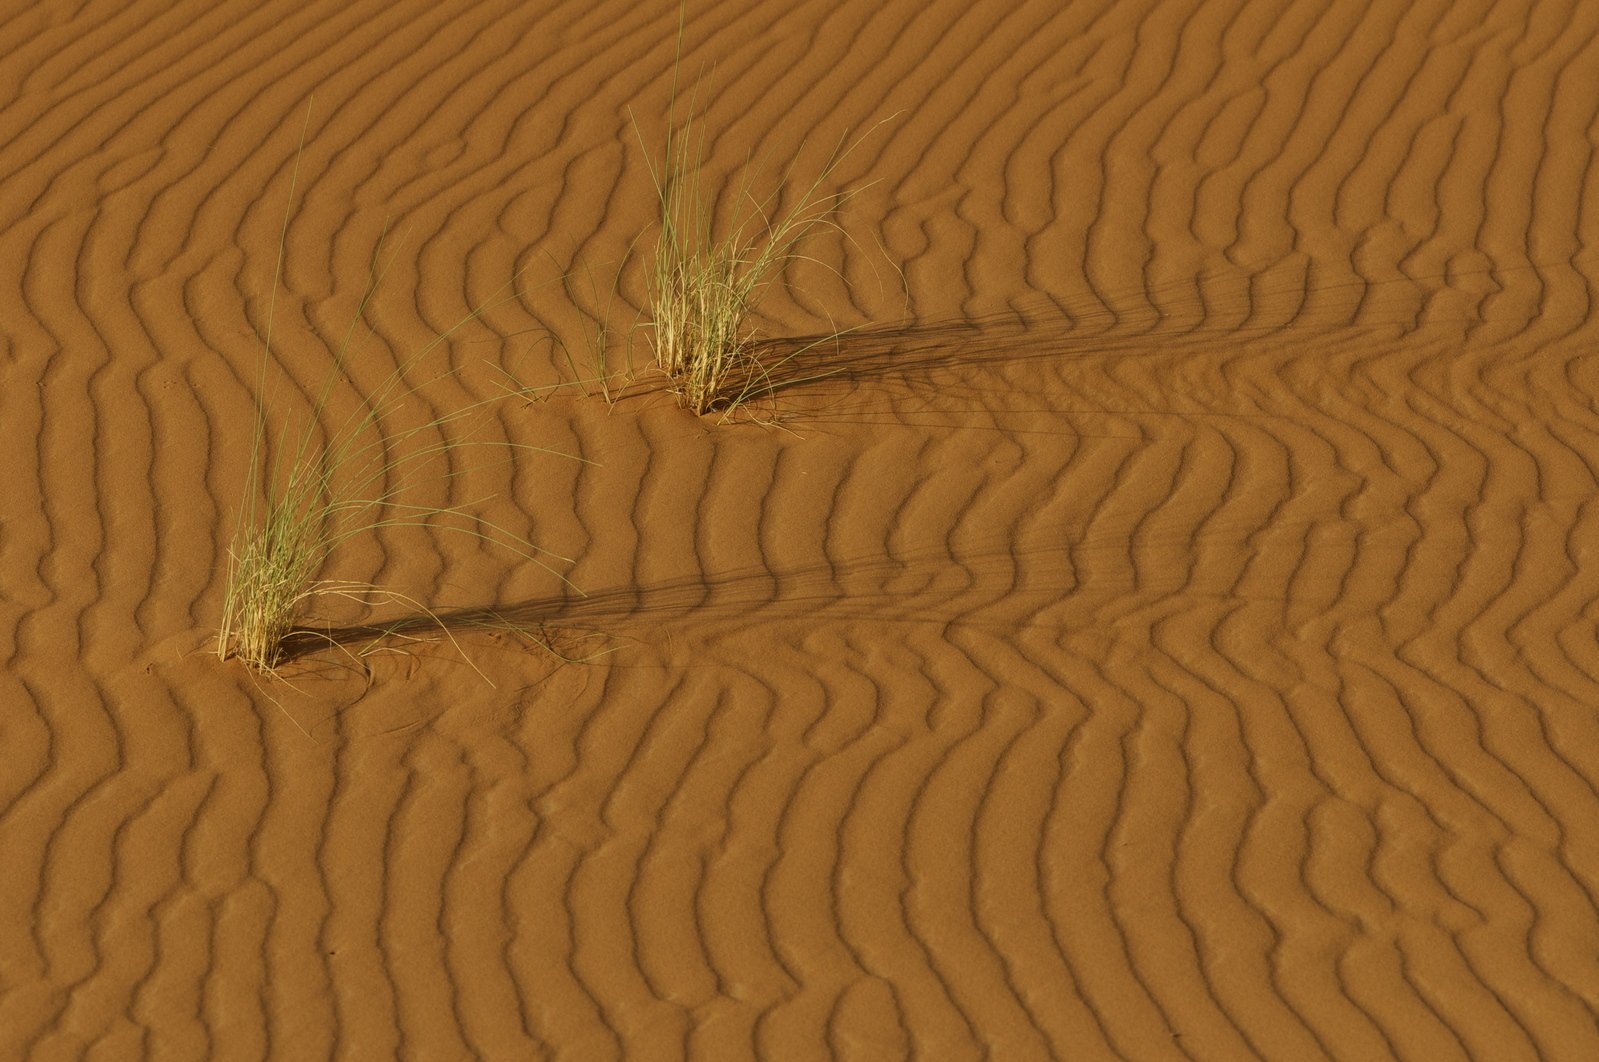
(1168, 630)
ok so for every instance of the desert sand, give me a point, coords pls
(1167, 631)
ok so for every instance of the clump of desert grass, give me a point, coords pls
(316, 491)
(704, 280)
(307, 492)
(315, 494)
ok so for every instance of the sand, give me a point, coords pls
(1169, 632)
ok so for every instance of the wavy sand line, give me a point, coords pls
(1170, 632)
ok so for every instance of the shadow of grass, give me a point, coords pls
(561, 622)
(999, 584)
(1285, 303)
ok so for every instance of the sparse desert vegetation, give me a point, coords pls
(309, 490)
(706, 275)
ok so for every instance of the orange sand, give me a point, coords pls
(1171, 633)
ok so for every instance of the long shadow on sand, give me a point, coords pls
(739, 594)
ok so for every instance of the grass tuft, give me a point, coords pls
(703, 286)
(317, 489)
(272, 569)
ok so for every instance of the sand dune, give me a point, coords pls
(1162, 625)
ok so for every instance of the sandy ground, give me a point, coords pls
(1170, 630)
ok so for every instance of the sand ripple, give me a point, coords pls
(1169, 632)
